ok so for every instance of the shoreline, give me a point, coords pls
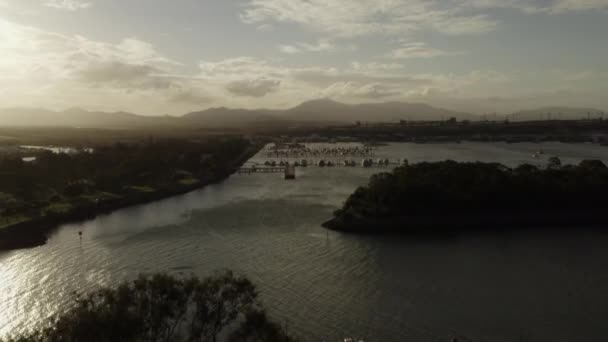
(35, 232)
(460, 223)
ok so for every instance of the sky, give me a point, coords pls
(159, 57)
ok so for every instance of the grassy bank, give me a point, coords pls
(27, 223)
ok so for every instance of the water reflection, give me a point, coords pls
(327, 285)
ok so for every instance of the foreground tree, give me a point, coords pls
(258, 328)
(164, 308)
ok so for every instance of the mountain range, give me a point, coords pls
(322, 111)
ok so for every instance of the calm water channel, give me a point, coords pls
(534, 286)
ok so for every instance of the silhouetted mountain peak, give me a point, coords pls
(318, 105)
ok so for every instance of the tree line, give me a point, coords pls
(451, 187)
(56, 182)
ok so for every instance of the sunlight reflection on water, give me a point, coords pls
(325, 284)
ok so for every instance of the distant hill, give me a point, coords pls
(321, 111)
(77, 117)
(332, 111)
(226, 117)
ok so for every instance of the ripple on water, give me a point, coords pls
(327, 285)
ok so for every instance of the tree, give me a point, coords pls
(258, 328)
(554, 163)
(592, 165)
(525, 169)
(75, 189)
(452, 188)
(163, 308)
(218, 301)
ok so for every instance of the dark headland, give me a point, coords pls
(449, 197)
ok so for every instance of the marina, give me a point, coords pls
(285, 156)
(330, 150)
(285, 166)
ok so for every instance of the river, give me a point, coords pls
(523, 286)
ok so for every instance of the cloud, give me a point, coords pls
(578, 5)
(539, 6)
(31, 53)
(355, 18)
(357, 90)
(250, 77)
(323, 77)
(323, 45)
(290, 49)
(31, 6)
(68, 5)
(240, 68)
(115, 71)
(416, 50)
(47, 69)
(123, 75)
(254, 88)
(190, 96)
(375, 66)
(351, 18)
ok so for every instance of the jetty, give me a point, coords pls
(289, 167)
(288, 170)
(265, 169)
(305, 152)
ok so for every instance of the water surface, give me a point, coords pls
(530, 286)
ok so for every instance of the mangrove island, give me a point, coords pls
(447, 196)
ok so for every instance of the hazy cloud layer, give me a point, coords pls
(69, 5)
(254, 88)
(348, 18)
(361, 91)
(322, 45)
(540, 6)
(477, 55)
(398, 17)
(416, 50)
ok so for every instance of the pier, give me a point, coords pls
(300, 151)
(253, 169)
(282, 166)
(287, 157)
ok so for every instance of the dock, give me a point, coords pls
(253, 169)
(284, 168)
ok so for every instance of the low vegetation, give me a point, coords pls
(37, 195)
(165, 308)
(56, 184)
